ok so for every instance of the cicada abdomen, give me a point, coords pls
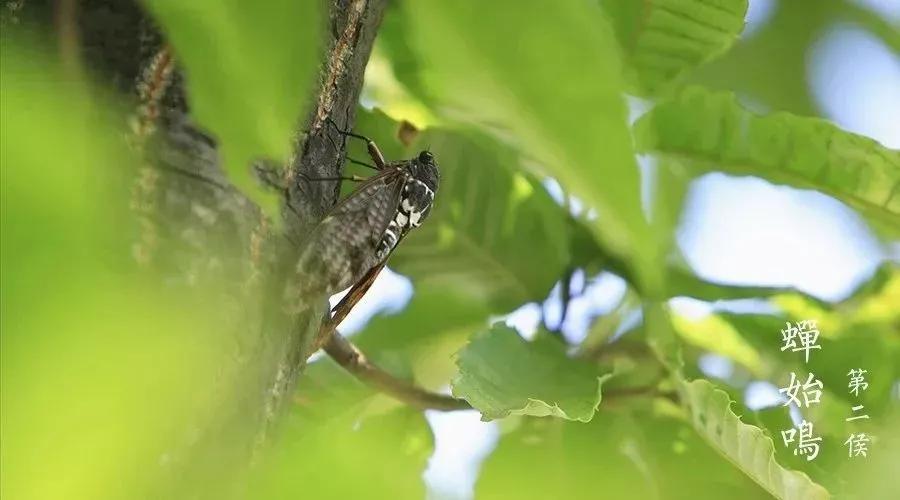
(363, 229)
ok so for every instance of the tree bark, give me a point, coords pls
(200, 233)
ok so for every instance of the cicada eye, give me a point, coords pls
(426, 157)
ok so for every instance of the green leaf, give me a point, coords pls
(249, 71)
(429, 345)
(663, 40)
(873, 303)
(482, 232)
(682, 282)
(783, 44)
(103, 371)
(661, 335)
(480, 237)
(715, 133)
(714, 334)
(671, 181)
(619, 454)
(339, 426)
(480, 74)
(501, 374)
(746, 446)
(565, 458)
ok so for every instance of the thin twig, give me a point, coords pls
(353, 360)
(346, 354)
(565, 299)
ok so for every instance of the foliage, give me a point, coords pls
(247, 81)
(713, 131)
(109, 380)
(501, 84)
(665, 39)
(746, 446)
(538, 378)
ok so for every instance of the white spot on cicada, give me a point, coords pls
(414, 218)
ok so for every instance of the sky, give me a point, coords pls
(733, 230)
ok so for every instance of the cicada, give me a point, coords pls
(361, 231)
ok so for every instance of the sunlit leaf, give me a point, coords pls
(501, 374)
(713, 132)
(616, 455)
(788, 33)
(746, 446)
(551, 87)
(429, 345)
(663, 40)
(716, 335)
(874, 303)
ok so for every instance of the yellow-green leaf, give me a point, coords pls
(710, 130)
(547, 80)
(501, 374)
(663, 40)
(249, 72)
(746, 446)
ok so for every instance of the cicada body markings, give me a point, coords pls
(361, 231)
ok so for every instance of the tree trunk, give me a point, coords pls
(200, 233)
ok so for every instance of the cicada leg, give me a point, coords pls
(343, 308)
(371, 147)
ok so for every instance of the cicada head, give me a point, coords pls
(425, 169)
(422, 183)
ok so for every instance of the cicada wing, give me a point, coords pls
(344, 245)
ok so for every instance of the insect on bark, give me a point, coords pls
(362, 230)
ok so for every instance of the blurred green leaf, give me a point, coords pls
(782, 46)
(617, 455)
(713, 132)
(713, 334)
(393, 74)
(746, 446)
(861, 332)
(872, 476)
(551, 86)
(661, 335)
(481, 236)
(502, 374)
(671, 181)
(427, 345)
(683, 282)
(570, 460)
(873, 303)
(663, 40)
(873, 347)
(105, 377)
(250, 69)
(337, 443)
(605, 327)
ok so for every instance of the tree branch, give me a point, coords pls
(353, 360)
(203, 236)
(346, 354)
